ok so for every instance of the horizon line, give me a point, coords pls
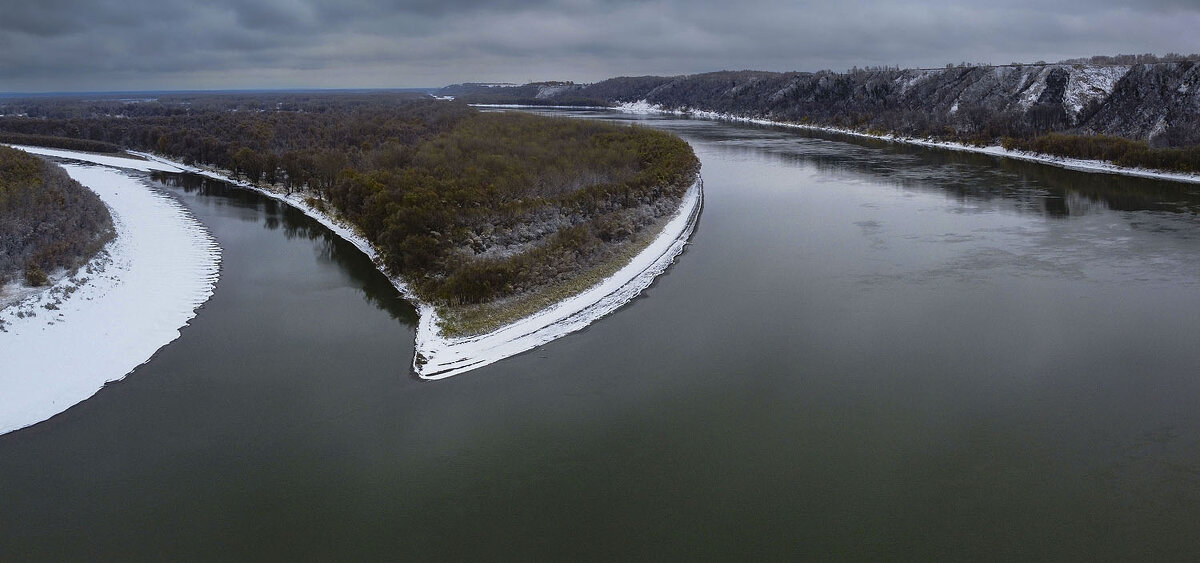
(47, 93)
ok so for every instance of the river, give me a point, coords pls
(869, 351)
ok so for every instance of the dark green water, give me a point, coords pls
(869, 352)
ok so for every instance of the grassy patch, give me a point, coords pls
(1117, 150)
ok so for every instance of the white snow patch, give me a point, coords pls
(913, 78)
(1089, 83)
(645, 108)
(1033, 91)
(995, 150)
(549, 91)
(1160, 127)
(439, 357)
(143, 288)
(1064, 162)
(106, 160)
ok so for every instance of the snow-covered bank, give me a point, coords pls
(443, 357)
(438, 357)
(642, 107)
(106, 160)
(62, 345)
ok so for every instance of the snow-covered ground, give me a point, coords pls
(62, 345)
(1089, 83)
(106, 160)
(438, 357)
(644, 107)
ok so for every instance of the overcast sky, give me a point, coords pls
(79, 45)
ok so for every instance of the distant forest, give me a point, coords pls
(470, 207)
(47, 220)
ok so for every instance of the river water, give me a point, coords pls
(869, 351)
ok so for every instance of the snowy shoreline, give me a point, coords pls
(437, 356)
(1095, 166)
(63, 344)
(444, 357)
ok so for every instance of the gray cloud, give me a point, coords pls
(169, 44)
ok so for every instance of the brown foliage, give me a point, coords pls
(47, 220)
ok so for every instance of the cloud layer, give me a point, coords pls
(53, 45)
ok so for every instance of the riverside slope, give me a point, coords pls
(439, 357)
(1156, 102)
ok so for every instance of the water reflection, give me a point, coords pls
(276, 216)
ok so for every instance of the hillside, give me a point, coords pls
(1138, 98)
(1158, 102)
(47, 220)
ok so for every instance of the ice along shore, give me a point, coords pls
(62, 345)
(438, 356)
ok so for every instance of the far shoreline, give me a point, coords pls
(1092, 166)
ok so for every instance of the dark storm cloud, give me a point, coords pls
(139, 44)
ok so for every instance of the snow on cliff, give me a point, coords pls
(1089, 83)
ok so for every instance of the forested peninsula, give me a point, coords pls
(1129, 110)
(47, 220)
(490, 216)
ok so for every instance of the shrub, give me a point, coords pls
(35, 277)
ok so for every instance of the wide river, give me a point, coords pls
(869, 351)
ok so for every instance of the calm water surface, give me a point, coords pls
(868, 352)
